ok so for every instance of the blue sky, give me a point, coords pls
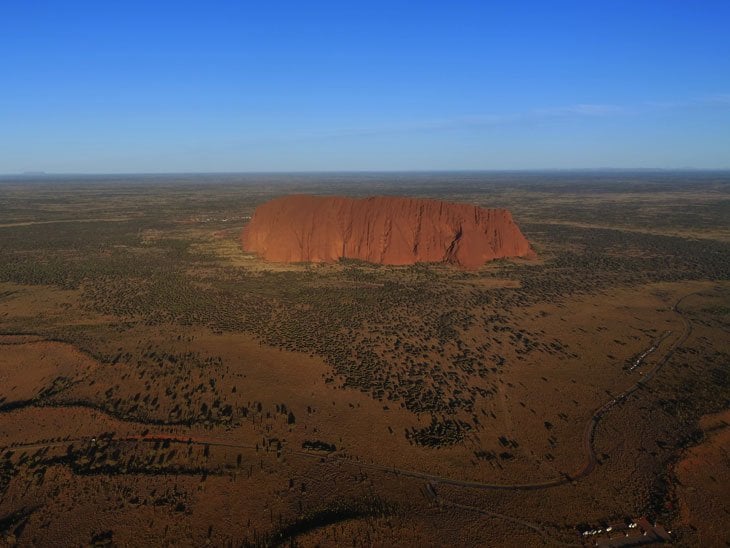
(129, 86)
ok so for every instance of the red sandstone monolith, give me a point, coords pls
(383, 229)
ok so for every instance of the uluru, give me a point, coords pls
(390, 230)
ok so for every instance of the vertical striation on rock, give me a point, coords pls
(383, 229)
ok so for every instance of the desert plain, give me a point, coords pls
(159, 385)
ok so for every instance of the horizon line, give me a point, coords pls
(31, 174)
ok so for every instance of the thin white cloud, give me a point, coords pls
(717, 100)
(575, 111)
(581, 109)
(485, 121)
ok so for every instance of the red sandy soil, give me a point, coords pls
(383, 229)
(704, 476)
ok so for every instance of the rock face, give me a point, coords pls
(382, 229)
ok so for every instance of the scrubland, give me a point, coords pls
(160, 386)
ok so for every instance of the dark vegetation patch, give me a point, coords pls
(14, 523)
(318, 445)
(332, 513)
